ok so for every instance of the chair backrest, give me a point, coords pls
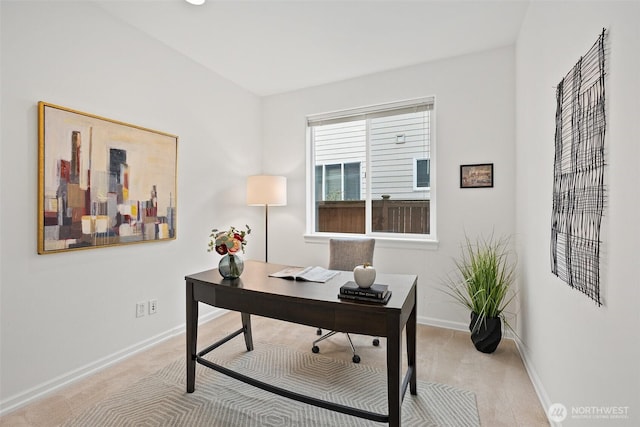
(345, 254)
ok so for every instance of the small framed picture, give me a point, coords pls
(476, 176)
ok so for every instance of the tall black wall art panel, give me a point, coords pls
(578, 173)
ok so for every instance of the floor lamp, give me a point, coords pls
(266, 190)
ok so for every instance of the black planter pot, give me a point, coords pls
(485, 334)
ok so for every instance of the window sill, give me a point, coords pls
(381, 241)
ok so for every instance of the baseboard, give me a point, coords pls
(35, 393)
(543, 397)
(446, 324)
(457, 326)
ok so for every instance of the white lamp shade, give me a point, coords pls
(267, 190)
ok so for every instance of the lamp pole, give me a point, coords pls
(265, 190)
(266, 232)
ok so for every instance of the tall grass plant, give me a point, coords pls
(485, 274)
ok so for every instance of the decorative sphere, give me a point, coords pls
(364, 275)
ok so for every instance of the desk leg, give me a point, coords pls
(394, 371)
(192, 337)
(246, 325)
(411, 350)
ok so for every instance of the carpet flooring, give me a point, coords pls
(161, 400)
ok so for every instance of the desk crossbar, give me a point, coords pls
(373, 416)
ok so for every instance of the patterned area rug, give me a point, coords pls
(161, 400)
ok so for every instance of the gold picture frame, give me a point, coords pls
(102, 182)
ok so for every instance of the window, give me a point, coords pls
(338, 181)
(352, 181)
(332, 182)
(371, 170)
(421, 174)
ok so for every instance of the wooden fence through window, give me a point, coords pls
(389, 216)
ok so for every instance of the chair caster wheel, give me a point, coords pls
(319, 331)
(376, 342)
(315, 349)
(356, 358)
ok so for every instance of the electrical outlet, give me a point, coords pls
(140, 309)
(153, 306)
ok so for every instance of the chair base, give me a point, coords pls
(355, 358)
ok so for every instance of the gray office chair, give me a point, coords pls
(345, 255)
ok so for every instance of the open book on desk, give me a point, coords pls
(308, 274)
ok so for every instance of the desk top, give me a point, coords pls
(255, 278)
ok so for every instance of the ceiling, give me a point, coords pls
(270, 47)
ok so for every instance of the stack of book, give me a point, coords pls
(376, 293)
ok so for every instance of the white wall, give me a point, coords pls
(474, 123)
(581, 355)
(65, 314)
(77, 309)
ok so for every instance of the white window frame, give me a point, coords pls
(386, 239)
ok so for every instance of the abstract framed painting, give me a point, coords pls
(102, 182)
(476, 176)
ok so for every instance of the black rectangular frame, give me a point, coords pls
(479, 175)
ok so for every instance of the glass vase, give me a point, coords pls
(230, 266)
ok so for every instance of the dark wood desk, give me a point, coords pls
(316, 305)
